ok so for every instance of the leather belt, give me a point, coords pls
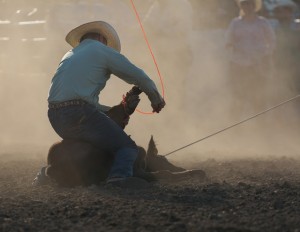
(76, 102)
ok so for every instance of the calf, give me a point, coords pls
(74, 162)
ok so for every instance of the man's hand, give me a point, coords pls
(158, 107)
(157, 101)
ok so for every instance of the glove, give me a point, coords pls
(158, 107)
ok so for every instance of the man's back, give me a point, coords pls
(82, 73)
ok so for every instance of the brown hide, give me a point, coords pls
(155, 162)
(162, 169)
(73, 162)
(116, 113)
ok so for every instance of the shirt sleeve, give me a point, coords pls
(120, 66)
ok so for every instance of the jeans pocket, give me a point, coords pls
(67, 122)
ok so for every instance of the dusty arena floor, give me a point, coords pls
(240, 195)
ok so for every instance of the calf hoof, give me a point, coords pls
(148, 176)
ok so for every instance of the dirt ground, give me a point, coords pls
(239, 195)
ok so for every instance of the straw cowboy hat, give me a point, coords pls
(103, 28)
(258, 4)
(285, 3)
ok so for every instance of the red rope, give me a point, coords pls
(150, 49)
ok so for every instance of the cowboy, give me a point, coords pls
(252, 41)
(74, 111)
(287, 53)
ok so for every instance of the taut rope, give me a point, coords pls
(234, 125)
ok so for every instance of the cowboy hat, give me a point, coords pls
(286, 3)
(258, 4)
(103, 28)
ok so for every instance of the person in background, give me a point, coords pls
(213, 14)
(287, 53)
(284, 12)
(252, 41)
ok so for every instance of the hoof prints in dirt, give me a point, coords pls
(242, 195)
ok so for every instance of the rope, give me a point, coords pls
(234, 125)
(150, 49)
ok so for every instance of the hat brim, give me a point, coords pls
(289, 4)
(258, 4)
(103, 28)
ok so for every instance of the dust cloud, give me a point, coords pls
(193, 63)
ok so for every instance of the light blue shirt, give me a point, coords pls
(84, 71)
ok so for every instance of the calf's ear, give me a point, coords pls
(152, 149)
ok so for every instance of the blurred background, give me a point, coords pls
(187, 38)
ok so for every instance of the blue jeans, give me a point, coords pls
(86, 123)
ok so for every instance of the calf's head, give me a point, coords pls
(155, 162)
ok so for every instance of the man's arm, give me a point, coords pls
(120, 66)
